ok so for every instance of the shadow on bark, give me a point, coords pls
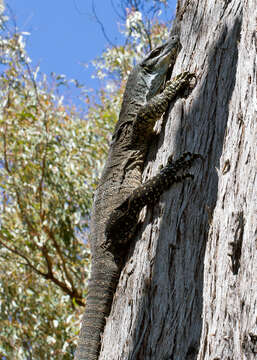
(169, 320)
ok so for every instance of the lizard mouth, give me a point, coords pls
(170, 50)
(162, 56)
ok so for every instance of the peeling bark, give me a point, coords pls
(188, 290)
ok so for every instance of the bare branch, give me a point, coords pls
(17, 252)
(123, 18)
(59, 252)
(73, 293)
(78, 10)
(101, 26)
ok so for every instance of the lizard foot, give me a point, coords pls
(179, 82)
(180, 178)
(173, 168)
(184, 77)
(185, 159)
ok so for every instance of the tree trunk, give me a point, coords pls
(188, 290)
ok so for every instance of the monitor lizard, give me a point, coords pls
(120, 195)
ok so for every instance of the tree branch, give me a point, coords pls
(73, 293)
(59, 252)
(15, 251)
(101, 25)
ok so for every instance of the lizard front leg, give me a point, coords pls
(154, 109)
(123, 220)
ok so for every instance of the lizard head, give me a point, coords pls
(156, 64)
(148, 77)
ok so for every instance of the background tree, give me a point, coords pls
(46, 185)
(188, 290)
(51, 154)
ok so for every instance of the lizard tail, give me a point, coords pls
(98, 307)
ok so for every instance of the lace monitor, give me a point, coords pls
(120, 195)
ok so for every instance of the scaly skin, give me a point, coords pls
(120, 184)
(123, 219)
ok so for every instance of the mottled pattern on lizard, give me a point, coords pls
(120, 194)
(123, 220)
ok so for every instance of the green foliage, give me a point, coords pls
(51, 156)
(35, 315)
(48, 157)
(116, 62)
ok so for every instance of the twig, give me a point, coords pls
(101, 25)
(15, 251)
(73, 293)
(59, 252)
(49, 275)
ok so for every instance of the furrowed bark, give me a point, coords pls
(188, 290)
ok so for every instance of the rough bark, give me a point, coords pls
(180, 295)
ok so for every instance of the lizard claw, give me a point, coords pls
(186, 160)
(185, 76)
(199, 156)
(180, 178)
(179, 82)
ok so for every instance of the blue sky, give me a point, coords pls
(64, 34)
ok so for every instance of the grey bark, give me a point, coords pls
(188, 290)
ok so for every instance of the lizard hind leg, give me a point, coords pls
(185, 161)
(151, 190)
(122, 221)
(121, 225)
